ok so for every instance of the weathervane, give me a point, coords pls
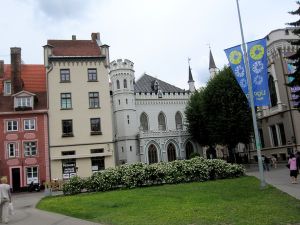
(189, 59)
(208, 44)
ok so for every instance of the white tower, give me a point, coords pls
(124, 111)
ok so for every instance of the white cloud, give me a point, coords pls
(158, 36)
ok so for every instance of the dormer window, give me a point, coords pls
(7, 87)
(156, 86)
(23, 101)
(159, 93)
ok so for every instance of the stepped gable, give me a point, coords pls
(74, 47)
(145, 85)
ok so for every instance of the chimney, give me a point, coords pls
(105, 51)
(15, 55)
(96, 38)
(73, 37)
(1, 68)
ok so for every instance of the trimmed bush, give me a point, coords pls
(139, 174)
(73, 186)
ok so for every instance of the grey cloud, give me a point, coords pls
(63, 9)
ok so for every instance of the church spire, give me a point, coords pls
(212, 66)
(191, 81)
(190, 75)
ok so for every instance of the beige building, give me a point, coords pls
(80, 117)
(279, 124)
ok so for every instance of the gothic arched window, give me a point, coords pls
(273, 96)
(161, 121)
(178, 121)
(144, 122)
(118, 84)
(189, 149)
(171, 152)
(125, 83)
(152, 154)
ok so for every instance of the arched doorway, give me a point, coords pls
(189, 149)
(171, 150)
(152, 154)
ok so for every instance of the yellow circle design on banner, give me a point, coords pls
(257, 52)
(235, 57)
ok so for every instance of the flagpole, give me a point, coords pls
(257, 139)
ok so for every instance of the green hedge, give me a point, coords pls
(139, 174)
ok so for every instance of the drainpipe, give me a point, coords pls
(49, 68)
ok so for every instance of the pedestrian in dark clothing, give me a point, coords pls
(267, 162)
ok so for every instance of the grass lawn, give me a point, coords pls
(223, 202)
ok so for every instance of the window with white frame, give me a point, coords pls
(65, 75)
(30, 148)
(12, 125)
(24, 101)
(92, 74)
(32, 175)
(11, 150)
(7, 87)
(29, 124)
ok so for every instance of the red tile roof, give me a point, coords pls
(75, 47)
(34, 80)
(33, 76)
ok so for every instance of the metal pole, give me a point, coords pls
(257, 139)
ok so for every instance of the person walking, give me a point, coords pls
(293, 168)
(5, 199)
(274, 162)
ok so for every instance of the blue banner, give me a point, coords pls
(236, 60)
(258, 64)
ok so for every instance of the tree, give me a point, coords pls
(195, 118)
(295, 58)
(220, 113)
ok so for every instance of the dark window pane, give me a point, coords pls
(282, 134)
(67, 127)
(95, 125)
(274, 134)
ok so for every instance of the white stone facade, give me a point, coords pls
(156, 141)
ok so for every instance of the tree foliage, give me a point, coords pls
(220, 113)
(295, 58)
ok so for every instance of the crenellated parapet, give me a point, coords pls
(121, 64)
(280, 39)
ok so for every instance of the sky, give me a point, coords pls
(158, 36)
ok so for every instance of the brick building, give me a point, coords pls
(24, 155)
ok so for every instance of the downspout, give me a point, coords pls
(49, 68)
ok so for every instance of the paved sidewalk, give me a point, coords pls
(27, 214)
(279, 178)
